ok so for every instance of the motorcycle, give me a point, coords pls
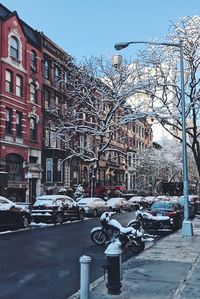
(111, 230)
(146, 221)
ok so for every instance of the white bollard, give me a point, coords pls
(84, 278)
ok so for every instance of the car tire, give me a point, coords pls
(131, 209)
(81, 215)
(25, 222)
(120, 210)
(95, 213)
(59, 218)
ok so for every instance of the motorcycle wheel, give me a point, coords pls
(99, 237)
(137, 246)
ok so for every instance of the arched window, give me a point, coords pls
(33, 61)
(14, 47)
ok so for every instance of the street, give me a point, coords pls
(44, 262)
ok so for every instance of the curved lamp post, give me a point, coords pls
(187, 230)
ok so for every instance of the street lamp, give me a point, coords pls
(187, 230)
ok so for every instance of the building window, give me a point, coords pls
(49, 170)
(60, 171)
(14, 47)
(19, 86)
(8, 120)
(33, 61)
(57, 74)
(47, 69)
(33, 129)
(47, 99)
(14, 167)
(33, 93)
(9, 81)
(19, 117)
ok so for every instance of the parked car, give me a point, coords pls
(149, 200)
(13, 215)
(55, 208)
(93, 206)
(192, 203)
(25, 205)
(137, 202)
(119, 204)
(162, 197)
(168, 208)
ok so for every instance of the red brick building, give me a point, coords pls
(20, 107)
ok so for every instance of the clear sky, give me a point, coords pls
(92, 27)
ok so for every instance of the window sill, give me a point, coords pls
(15, 60)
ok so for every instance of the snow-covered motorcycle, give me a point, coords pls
(111, 230)
(147, 222)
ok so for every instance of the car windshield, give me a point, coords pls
(44, 202)
(162, 205)
(114, 200)
(86, 200)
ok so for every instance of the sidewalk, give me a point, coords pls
(168, 269)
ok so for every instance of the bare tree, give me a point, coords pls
(162, 82)
(156, 166)
(96, 111)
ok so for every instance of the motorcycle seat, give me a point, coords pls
(126, 230)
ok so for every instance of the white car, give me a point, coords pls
(118, 204)
(137, 201)
(93, 206)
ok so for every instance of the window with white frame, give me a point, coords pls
(33, 129)
(49, 170)
(33, 61)
(57, 74)
(9, 81)
(14, 48)
(47, 69)
(33, 93)
(60, 170)
(19, 86)
(19, 117)
(8, 120)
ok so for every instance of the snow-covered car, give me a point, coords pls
(118, 204)
(137, 201)
(162, 197)
(56, 209)
(168, 208)
(150, 199)
(93, 206)
(13, 215)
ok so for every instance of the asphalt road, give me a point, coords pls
(44, 262)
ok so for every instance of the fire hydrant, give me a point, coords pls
(113, 253)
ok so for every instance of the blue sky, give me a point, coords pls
(92, 27)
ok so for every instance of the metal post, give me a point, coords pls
(187, 225)
(187, 230)
(84, 277)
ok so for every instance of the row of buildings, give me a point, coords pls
(32, 159)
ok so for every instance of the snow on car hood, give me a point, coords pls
(6, 206)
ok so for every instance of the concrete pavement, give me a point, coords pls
(168, 269)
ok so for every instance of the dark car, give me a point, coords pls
(56, 209)
(168, 208)
(13, 215)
